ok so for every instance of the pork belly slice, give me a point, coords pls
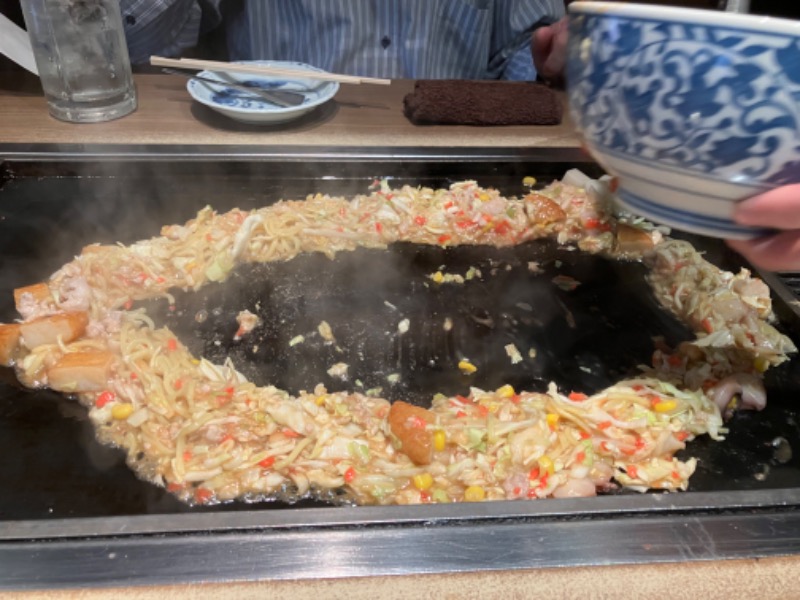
(9, 340)
(408, 423)
(46, 330)
(25, 298)
(542, 210)
(78, 372)
(632, 240)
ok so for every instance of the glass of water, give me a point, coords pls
(82, 58)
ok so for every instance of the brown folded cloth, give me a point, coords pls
(467, 102)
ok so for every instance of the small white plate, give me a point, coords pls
(249, 108)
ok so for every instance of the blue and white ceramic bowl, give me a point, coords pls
(248, 108)
(693, 110)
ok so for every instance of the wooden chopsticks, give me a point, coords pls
(214, 65)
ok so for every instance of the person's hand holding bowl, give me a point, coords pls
(777, 209)
(696, 113)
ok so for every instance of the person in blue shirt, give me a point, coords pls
(413, 39)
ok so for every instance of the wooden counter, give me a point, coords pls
(773, 579)
(365, 117)
(359, 115)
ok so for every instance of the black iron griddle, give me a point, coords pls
(60, 484)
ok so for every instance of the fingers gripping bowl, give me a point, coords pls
(693, 110)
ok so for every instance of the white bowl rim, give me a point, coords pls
(694, 16)
(277, 110)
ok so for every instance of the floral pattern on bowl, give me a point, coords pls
(704, 102)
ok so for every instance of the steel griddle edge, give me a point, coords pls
(739, 519)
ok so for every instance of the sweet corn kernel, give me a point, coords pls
(320, 400)
(552, 419)
(438, 277)
(474, 493)
(423, 481)
(439, 440)
(506, 392)
(122, 411)
(546, 465)
(665, 406)
(761, 364)
(467, 367)
(529, 181)
(484, 196)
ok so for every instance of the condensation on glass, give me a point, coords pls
(82, 57)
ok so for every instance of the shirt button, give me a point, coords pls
(130, 19)
(386, 42)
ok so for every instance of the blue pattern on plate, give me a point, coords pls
(241, 99)
(233, 101)
(718, 101)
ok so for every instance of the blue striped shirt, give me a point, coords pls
(162, 27)
(414, 39)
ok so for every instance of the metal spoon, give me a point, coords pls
(283, 98)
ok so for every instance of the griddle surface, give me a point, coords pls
(584, 339)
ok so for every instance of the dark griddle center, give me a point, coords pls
(583, 339)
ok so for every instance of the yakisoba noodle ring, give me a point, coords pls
(209, 435)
